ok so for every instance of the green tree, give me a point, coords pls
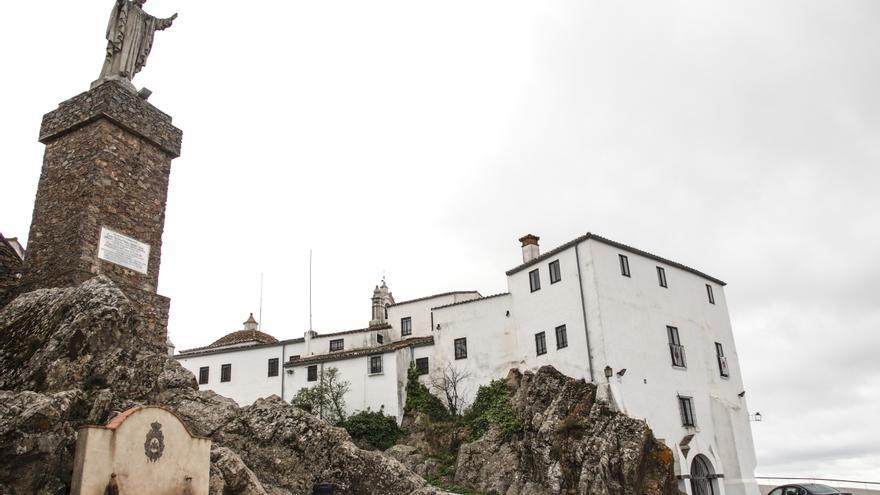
(420, 400)
(326, 399)
(373, 428)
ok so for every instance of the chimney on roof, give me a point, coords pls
(251, 323)
(530, 247)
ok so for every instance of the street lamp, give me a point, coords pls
(755, 417)
(608, 372)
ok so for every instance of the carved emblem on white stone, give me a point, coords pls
(124, 251)
(154, 446)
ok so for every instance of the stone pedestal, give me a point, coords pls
(106, 167)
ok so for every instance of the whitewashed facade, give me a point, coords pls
(591, 308)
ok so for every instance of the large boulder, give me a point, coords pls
(76, 356)
(570, 443)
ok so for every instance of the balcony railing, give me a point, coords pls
(678, 356)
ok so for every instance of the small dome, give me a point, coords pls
(244, 337)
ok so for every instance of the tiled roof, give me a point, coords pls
(617, 245)
(357, 330)
(452, 293)
(472, 300)
(208, 350)
(364, 351)
(217, 347)
(237, 337)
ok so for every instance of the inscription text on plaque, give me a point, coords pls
(123, 251)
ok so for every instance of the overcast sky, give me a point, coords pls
(420, 140)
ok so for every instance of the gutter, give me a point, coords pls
(577, 257)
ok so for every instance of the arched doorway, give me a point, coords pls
(702, 479)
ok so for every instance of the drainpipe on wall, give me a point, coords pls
(282, 370)
(584, 311)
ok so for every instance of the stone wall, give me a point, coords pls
(107, 164)
(11, 267)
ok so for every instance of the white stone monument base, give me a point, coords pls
(143, 450)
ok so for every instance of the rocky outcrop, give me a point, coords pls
(570, 443)
(560, 440)
(78, 356)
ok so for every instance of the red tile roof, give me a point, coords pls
(364, 351)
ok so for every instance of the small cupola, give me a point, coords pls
(530, 249)
(251, 323)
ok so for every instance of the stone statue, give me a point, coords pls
(129, 40)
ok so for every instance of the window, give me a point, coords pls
(555, 274)
(294, 358)
(422, 365)
(337, 345)
(203, 375)
(535, 280)
(661, 276)
(406, 326)
(461, 348)
(225, 372)
(540, 343)
(722, 361)
(375, 365)
(273, 367)
(561, 337)
(711, 295)
(624, 266)
(312, 374)
(675, 348)
(380, 338)
(686, 405)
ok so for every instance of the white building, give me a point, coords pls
(655, 335)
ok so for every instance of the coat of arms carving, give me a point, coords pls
(154, 446)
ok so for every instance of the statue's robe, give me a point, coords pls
(129, 40)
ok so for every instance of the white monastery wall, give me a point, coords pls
(630, 316)
(419, 310)
(553, 305)
(249, 379)
(366, 390)
(492, 343)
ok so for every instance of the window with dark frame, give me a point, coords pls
(661, 276)
(273, 367)
(337, 345)
(624, 265)
(312, 373)
(555, 273)
(406, 326)
(375, 365)
(204, 372)
(461, 348)
(676, 350)
(225, 372)
(380, 338)
(710, 293)
(540, 343)
(535, 280)
(294, 358)
(422, 366)
(561, 337)
(722, 361)
(686, 405)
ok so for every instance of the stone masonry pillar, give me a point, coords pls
(100, 206)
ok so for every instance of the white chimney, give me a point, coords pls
(530, 247)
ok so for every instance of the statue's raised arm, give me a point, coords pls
(129, 41)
